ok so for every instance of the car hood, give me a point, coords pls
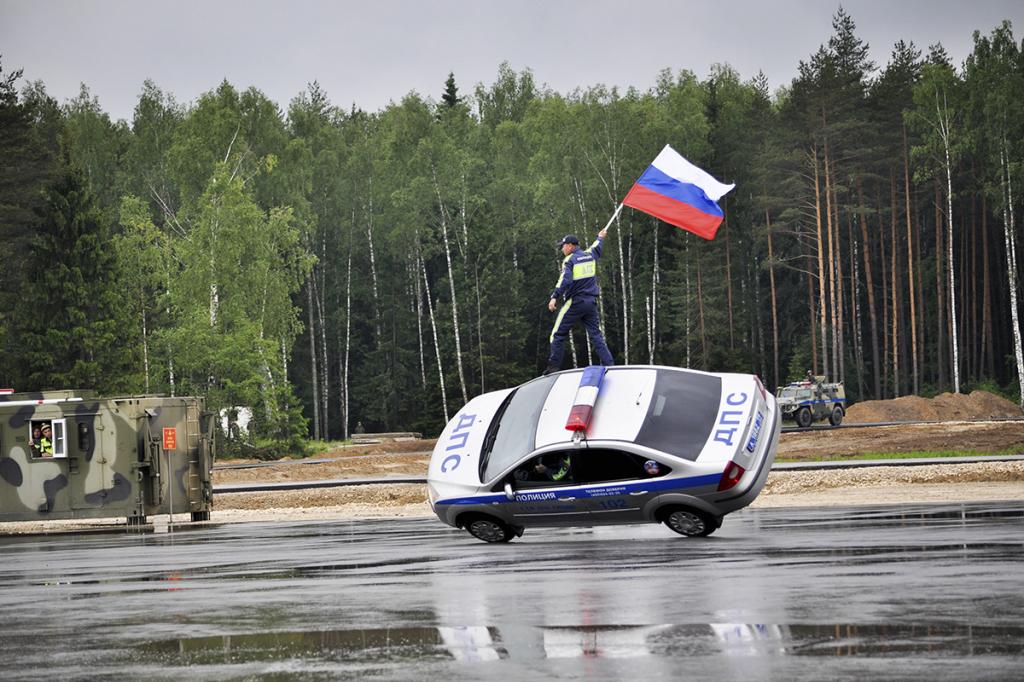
(456, 457)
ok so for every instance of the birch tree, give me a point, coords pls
(936, 113)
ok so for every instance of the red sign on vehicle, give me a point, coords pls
(170, 439)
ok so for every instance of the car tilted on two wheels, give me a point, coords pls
(629, 444)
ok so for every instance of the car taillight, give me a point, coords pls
(732, 475)
(760, 387)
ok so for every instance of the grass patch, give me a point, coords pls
(917, 454)
(320, 447)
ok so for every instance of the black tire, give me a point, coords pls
(803, 417)
(691, 523)
(489, 529)
(836, 418)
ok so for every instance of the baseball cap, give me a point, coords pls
(569, 239)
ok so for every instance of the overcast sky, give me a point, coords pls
(371, 52)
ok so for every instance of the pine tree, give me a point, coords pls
(69, 320)
(450, 98)
(27, 166)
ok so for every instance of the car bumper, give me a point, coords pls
(753, 488)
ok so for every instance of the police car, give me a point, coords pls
(622, 444)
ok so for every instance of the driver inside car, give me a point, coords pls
(557, 470)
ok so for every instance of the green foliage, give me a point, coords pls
(283, 260)
(71, 321)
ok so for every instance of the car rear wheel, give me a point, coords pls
(803, 417)
(836, 418)
(489, 529)
(691, 523)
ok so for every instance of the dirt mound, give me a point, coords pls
(976, 406)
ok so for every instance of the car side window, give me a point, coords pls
(601, 465)
(549, 469)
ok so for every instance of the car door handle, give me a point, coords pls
(566, 499)
(639, 492)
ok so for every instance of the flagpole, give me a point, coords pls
(614, 216)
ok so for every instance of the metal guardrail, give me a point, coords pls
(310, 485)
(322, 460)
(785, 429)
(829, 427)
(895, 462)
(777, 466)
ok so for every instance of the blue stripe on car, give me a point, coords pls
(659, 485)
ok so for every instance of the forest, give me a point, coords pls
(337, 269)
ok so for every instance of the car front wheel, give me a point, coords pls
(489, 529)
(836, 418)
(692, 523)
(803, 417)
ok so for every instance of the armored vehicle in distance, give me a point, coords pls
(812, 400)
(71, 455)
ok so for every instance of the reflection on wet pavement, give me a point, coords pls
(911, 592)
(481, 643)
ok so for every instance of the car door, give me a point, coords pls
(617, 483)
(542, 497)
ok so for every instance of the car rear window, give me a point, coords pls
(682, 413)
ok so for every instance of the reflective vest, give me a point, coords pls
(579, 273)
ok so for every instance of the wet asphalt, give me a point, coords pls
(888, 592)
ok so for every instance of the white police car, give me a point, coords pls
(622, 444)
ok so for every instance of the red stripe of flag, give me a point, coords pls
(673, 212)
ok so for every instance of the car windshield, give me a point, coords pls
(514, 431)
(797, 393)
(682, 413)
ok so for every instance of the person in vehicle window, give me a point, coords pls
(556, 471)
(578, 285)
(33, 442)
(46, 442)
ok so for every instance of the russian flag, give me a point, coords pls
(681, 194)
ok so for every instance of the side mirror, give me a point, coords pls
(508, 491)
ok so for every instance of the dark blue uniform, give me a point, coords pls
(578, 284)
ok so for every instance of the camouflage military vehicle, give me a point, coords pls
(70, 455)
(811, 400)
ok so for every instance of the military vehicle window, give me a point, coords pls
(551, 469)
(599, 466)
(83, 437)
(47, 438)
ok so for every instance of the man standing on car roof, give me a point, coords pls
(578, 285)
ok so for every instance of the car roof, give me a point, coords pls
(618, 414)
